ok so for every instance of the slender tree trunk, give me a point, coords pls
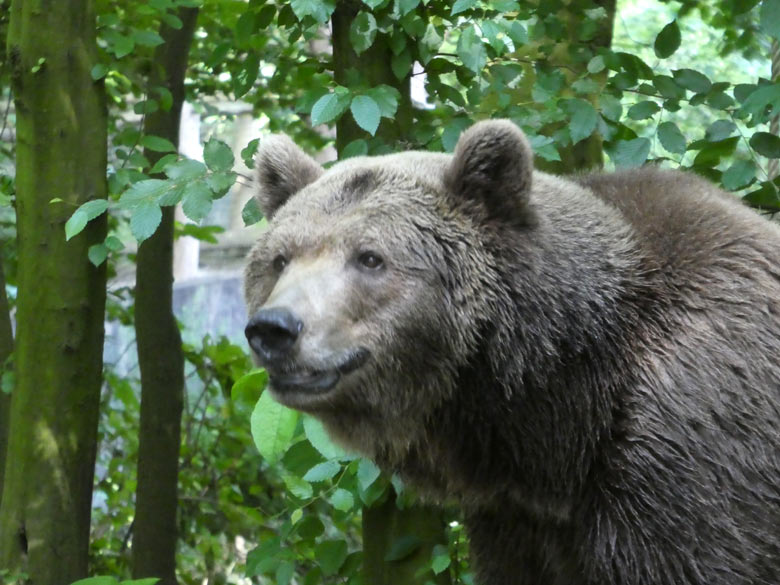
(6, 347)
(587, 153)
(384, 523)
(160, 354)
(61, 153)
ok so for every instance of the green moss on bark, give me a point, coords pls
(61, 153)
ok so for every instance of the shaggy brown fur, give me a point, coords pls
(590, 365)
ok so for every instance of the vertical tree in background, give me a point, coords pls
(6, 347)
(384, 523)
(160, 355)
(61, 154)
(580, 31)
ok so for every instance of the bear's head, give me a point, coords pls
(376, 282)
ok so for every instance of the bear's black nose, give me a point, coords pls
(273, 332)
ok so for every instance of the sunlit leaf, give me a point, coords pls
(272, 426)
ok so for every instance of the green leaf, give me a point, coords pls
(272, 427)
(145, 219)
(146, 581)
(366, 113)
(402, 547)
(362, 32)
(83, 215)
(406, 6)
(113, 243)
(516, 32)
(220, 183)
(739, 175)
(764, 198)
(251, 213)
(197, 200)
(246, 76)
(583, 119)
(186, 169)
(386, 97)
(720, 130)
(320, 440)
(172, 20)
(322, 471)
(367, 473)
(97, 254)
(643, 110)
(357, 147)
(452, 132)
(163, 162)
(120, 45)
(470, 49)
(342, 500)
(330, 555)
(373, 3)
(429, 44)
(285, 572)
(757, 100)
(157, 144)
(263, 558)
(770, 18)
(667, 41)
(631, 153)
(249, 387)
(96, 581)
(147, 38)
(218, 156)
(766, 144)
(596, 64)
(329, 107)
(320, 10)
(440, 559)
(462, 5)
(298, 487)
(401, 64)
(99, 71)
(671, 138)
(692, 80)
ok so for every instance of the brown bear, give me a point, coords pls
(591, 364)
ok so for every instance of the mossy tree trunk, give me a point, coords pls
(6, 347)
(160, 353)
(385, 523)
(61, 153)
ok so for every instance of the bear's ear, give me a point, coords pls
(492, 166)
(282, 169)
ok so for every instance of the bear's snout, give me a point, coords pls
(272, 333)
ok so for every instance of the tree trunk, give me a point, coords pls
(61, 153)
(6, 347)
(160, 354)
(384, 523)
(374, 67)
(587, 153)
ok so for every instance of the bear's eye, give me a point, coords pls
(279, 263)
(370, 260)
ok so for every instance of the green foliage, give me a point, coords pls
(677, 92)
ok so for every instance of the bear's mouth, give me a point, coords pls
(305, 388)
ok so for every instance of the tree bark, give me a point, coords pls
(374, 67)
(587, 153)
(384, 523)
(160, 354)
(61, 153)
(6, 347)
